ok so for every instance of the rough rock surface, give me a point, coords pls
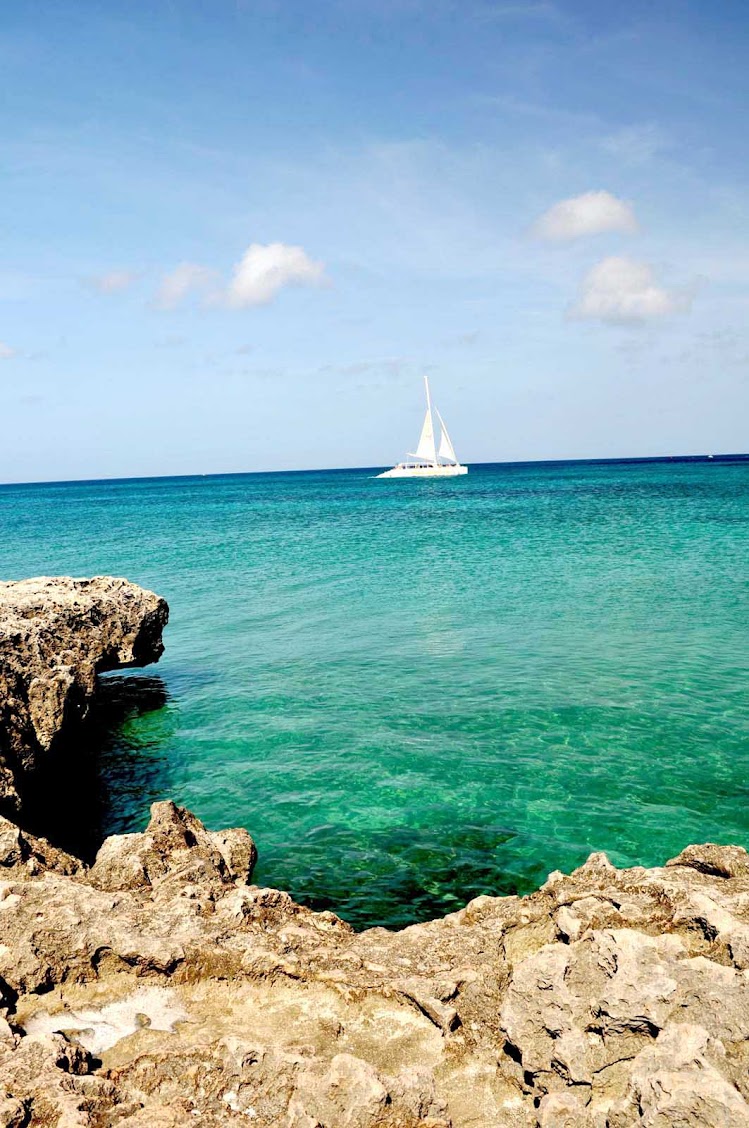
(56, 635)
(157, 988)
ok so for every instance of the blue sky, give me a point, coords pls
(236, 232)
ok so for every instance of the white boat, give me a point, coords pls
(429, 460)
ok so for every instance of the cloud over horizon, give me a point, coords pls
(6, 352)
(619, 290)
(592, 213)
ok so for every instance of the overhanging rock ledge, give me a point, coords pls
(56, 635)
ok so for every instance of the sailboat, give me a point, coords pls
(429, 460)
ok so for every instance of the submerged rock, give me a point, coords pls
(56, 635)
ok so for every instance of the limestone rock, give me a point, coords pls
(50, 1079)
(177, 994)
(718, 861)
(677, 1080)
(176, 846)
(56, 635)
(20, 850)
(238, 851)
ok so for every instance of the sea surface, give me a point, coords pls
(413, 692)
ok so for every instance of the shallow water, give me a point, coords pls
(412, 692)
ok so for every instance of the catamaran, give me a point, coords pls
(429, 460)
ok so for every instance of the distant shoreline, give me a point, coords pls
(624, 460)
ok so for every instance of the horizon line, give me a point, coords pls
(615, 460)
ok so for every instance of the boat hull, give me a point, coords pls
(424, 472)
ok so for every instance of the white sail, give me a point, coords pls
(447, 450)
(426, 448)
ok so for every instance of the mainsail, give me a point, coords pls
(426, 448)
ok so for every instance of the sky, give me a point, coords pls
(236, 233)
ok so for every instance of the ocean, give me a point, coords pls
(414, 692)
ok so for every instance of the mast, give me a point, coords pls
(429, 413)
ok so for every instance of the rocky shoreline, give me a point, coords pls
(159, 987)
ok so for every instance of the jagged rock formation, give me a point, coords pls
(157, 988)
(56, 635)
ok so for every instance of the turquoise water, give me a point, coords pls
(413, 692)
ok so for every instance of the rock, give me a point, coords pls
(20, 850)
(238, 851)
(716, 861)
(12, 1112)
(205, 999)
(174, 846)
(563, 1110)
(56, 635)
(51, 1081)
(350, 1092)
(676, 1082)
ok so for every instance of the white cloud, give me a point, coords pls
(622, 291)
(185, 279)
(264, 269)
(113, 282)
(6, 352)
(589, 214)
